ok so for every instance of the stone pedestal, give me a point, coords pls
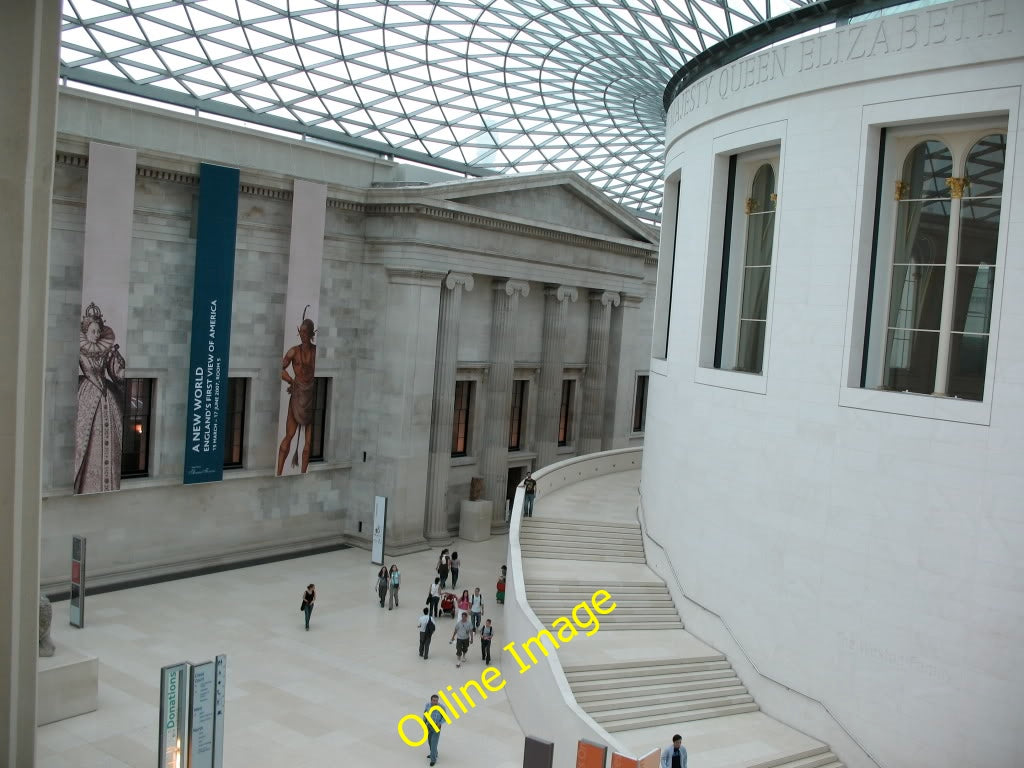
(67, 685)
(475, 520)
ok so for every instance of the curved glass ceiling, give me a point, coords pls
(476, 86)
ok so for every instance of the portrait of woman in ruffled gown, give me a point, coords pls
(100, 406)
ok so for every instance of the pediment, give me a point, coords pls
(560, 199)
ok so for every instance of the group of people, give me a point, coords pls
(388, 582)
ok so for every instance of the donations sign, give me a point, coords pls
(211, 324)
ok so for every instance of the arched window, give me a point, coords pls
(941, 278)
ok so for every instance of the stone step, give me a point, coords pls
(582, 535)
(621, 603)
(634, 669)
(654, 686)
(556, 609)
(545, 583)
(690, 681)
(620, 626)
(664, 699)
(645, 711)
(545, 523)
(572, 545)
(650, 721)
(815, 757)
(589, 558)
(560, 588)
(569, 545)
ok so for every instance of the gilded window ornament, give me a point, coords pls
(957, 185)
(901, 190)
(750, 206)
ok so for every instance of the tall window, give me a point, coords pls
(640, 403)
(234, 434)
(745, 279)
(135, 441)
(515, 419)
(320, 400)
(463, 411)
(940, 276)
(565, 412)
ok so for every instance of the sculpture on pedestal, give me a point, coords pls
(46, 646)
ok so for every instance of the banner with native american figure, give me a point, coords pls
(103, 324)
(302, 310)
(212, 293)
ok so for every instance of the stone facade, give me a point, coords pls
(391, 247)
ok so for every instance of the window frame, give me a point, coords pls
(566, 414)
(517, 414)
(320, 424)
(243, 425)
(917, 116)
(462, 430)
(147, 431)
(641, 394)
(724, 257)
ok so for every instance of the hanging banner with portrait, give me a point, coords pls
(211, 323)
(302, 397)
(103, 324)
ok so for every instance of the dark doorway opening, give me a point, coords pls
(515, 477)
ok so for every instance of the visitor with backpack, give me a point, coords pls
(426, 627)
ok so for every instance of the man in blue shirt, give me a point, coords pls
(435, 716)
(674, 756)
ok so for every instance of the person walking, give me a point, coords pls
(308, 597)
(455, 565)
(486, 635)
(426, 626)
(476, 607)
(463, 632)
(434, 595)
(382, 584)
(435, 717)
(674, 756)
(462, 604)
(443, 564)
(530, 487)
(394, 581)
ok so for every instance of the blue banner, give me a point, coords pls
(211, 324)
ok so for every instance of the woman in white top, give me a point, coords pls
(434, 596)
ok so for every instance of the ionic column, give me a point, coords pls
(592, 426)
(442, 410)
(494, 461)
(552, 364)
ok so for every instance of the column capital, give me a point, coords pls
(453, 279)
(632, 301)
(512, 287)
(562, 292)
(607, 298)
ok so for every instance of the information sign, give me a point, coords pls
(621, 761)
(174, 710)
(77, 603)
(651, 760)
(538, 753)
(202, 700)
(590, 755)
(218, 713)
(380, 517)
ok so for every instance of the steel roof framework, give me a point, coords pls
(474, 86)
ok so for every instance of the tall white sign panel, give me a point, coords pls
(202, 700)
(172, 751)
(380, 517)
(218, 712)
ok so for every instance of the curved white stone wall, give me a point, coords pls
(864, 547)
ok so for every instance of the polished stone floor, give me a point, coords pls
(328, 697)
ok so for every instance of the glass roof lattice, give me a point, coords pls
(473, 86)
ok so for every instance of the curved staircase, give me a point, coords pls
(642, 677)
